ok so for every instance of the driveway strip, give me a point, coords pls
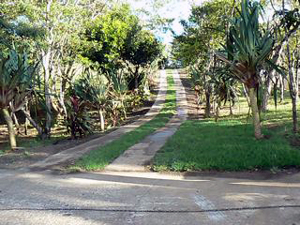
(78, 151)
(137, 157)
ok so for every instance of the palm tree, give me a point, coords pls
(247, 49)
(16, 82)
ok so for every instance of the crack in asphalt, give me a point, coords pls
(151, 211)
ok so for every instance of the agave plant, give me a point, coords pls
(101, 92)
(99, 89)
(16, 83)
(247, 49)
(118, 95)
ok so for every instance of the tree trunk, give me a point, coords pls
(33, 123)
(102, 121)
(26, 120)
(46, 63)
(231, 104)
(246, 95)
(292, 80)
(296, 72)
(11, 131)
(136, 78)
(255, 113)
(266, 94)
(207, 104)
(63, 83)
(124, 109)
(295, 88)
(16, 122)
(46, 66)
(276, 93)
(217, 112)
(14, 118)
(26, 126)
(281, 81)
(271, 74)
(294, 110)
(294, 97)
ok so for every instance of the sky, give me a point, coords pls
(177, 9)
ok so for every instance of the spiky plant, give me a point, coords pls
(248, 47)
(16, 82)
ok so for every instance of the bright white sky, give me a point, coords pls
(177, 9)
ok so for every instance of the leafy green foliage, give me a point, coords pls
(224, 86)
(80, 99)
(247, 46)
(16, 79)
(106, 36)
(141, 49)
(117, 97)
(204, 32)
(100, 158)
(116, 40)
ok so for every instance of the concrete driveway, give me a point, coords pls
(146, 198)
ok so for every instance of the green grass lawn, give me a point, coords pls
(230, 145)
(98, 159)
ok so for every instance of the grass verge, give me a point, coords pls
(98, 159)
(229, 145)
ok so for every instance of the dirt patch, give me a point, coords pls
(27, 156)
(195, 112)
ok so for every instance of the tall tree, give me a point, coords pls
(140, 50)
(290, 19)
(16, 83)
(63, 22)
(286, 24)
(204, 32)
(247, 49)
(117, 40)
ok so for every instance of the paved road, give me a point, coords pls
(146, 198)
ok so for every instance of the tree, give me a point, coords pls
(105, 37)
(69, 38)
(204, 32)
(140, 50)
(117, 40)
(62, 23)
(16, 83)
(285, 23)
(290, 21)
(247, 49)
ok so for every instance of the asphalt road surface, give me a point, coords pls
(147, 198)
